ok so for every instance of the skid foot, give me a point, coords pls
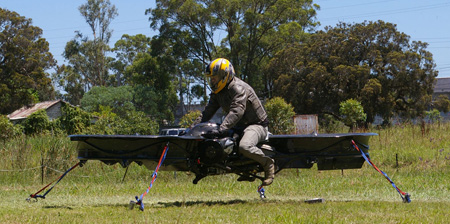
(137, 202)
(261, 192)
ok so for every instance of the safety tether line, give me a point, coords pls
(154, 176)
(405, 196)
(36, 196)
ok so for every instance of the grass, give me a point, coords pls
(418, 164)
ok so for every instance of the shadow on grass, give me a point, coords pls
(94, 205)
(159, 204)
(237, 201)
(58, 207)
(193, 203)
(190, 203)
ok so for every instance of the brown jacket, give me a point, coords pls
(240, 103)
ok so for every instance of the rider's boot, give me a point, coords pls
(269, 172)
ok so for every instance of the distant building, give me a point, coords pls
(53, 109)
(441, 87)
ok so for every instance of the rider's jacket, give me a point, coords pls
(240, 103)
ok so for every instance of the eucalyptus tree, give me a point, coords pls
(127, 49)
(87, 57)
(154, 90)
(246, 32)
(146, 65)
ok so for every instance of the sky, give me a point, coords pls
(426, 21)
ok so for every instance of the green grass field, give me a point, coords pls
(418, 162)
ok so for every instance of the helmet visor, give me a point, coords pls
(213, 81)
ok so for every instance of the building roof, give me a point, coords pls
(25, 111)
(442, 85)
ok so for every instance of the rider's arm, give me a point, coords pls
(237, 107)
(209, 111)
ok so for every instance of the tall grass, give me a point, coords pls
(416, 159)
(413, 146)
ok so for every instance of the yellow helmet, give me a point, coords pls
(219, 73)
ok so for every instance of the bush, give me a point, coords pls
(7, 129)
(105, 123)
(188, 119)
(352, 112)
(73, 120)
(37, 123)
(137, 122)
(280, 115)
(433, 115)
(329, 124)
(134, 122)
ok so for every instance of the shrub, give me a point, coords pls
(352, 112)
(73, 120)
(433, 115)
(330, 124)
(280, 115)
(7, 129)
(134, 122)
(105, 123)
(37, 123)
(188, 119)
(137, 122)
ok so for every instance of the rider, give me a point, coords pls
(243, 110)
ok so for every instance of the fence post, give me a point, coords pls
(42, 170)
(396, 159)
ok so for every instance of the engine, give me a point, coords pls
(212, 151)
(215, 150)
(214, 156)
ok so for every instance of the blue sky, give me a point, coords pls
(427, 21)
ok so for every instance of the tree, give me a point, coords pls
(88, 63)
(370, 96)
(71, 82)
(249, 32)
(144, 81)
(280, 115)
(127, 49)
(98, 15)
(370, 62)
(24, 58)
(119, 99)
(154, 90)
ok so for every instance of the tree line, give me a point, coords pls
(273, 45)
